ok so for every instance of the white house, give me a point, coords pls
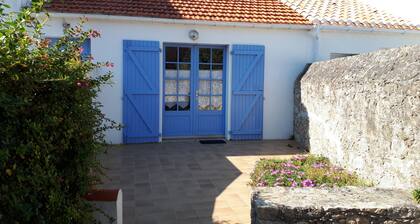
(220, 68)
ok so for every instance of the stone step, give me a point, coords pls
(347, 205)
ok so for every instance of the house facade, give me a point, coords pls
(218, 68)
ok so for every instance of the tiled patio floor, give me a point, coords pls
(187, 182)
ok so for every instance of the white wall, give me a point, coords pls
(357, 42)
(287, 52)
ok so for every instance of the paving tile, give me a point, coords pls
(185, 182)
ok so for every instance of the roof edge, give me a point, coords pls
(366, 30)
(182, 21)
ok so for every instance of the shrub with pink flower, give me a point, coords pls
(302, 171)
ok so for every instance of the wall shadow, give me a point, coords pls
(185, 181)
(301, 118)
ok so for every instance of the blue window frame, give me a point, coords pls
(177, 79)
(210, 87)
(194, 90)
(86, 47)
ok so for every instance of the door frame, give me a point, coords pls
(193, 80)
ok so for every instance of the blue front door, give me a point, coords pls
(194, 91)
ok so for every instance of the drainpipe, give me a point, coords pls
(316, 33)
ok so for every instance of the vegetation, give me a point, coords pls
(302, 171)
(416, 195)
(51, 126)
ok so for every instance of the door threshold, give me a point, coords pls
(193, 138)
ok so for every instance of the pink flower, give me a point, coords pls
(81, 50)
(94, 34)
(308, 183)
(286, 172)
(290, 165)
(294, 184)
(109, 64)
(318, 165)
(275, 172)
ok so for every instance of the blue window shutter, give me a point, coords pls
(247, 92)
(86, 46)
(141, 91)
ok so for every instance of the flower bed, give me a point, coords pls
(302, 171)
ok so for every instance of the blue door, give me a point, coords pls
(194, 87)
(141, 91)
(247, 92)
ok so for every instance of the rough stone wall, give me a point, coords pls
(348, 205)
(363, 112)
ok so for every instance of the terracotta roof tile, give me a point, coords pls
(348, 13)
(250, 11)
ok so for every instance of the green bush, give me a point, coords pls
(416, 195)
(51, 126)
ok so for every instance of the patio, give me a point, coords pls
(188, 182)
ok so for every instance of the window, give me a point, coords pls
(85, 46)
(210, 89)
(177, 78)
(340, 55)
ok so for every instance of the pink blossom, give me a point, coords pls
(294, 184)
(109, 64)
(275, 172)
(308, 183)
(81, 49)
(290, 165)
(286, 172)
(318, 165)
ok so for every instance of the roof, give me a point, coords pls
(348, 13)
(251, 11)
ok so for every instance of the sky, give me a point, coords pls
(407, 9)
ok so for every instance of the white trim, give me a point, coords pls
(183, 21)
(231, 24)
(368, 30)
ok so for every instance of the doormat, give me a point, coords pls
(213, 141)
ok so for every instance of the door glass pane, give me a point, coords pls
(184, 71)
(204, 88)
(217, 103)
(184, 87)
(204, 72)
(171, 54)
(204, 103)
(170, 87)
(217, 56)
(170, 70)
(205, 55)
(217, 72)
(183, 103)
(217, 87)
(184, 54)
(170, 103)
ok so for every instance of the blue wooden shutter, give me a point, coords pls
(247, 92)
(141, 91)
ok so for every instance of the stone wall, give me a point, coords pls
(363, 112)
(349, 205)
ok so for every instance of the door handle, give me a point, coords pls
(196, 93)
